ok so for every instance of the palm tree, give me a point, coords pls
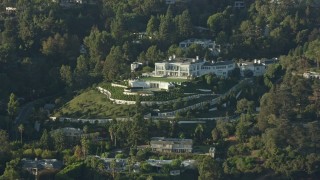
(21, 129)
(198, 132)
(85, 129)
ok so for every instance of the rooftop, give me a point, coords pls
(195, 40)
(41, 164)
(182, 60)
(219, 63)
(163, 140)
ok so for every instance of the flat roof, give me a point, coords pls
(163, 140)
(183, 60)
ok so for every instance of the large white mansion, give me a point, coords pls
(189, 67)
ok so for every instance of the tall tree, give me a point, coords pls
(21, 129)
(27, 29)
(167, 27)
(137, 131)
(209, 169)
(198, 132)
(66, 75)
(59, 140)
(184, 25)
(118, 27)
(78, 152)
(9, 35)
(114, 65)
(215, 22)
(152, 26)
(12, 170)
(45, 140)
(98, 44)
(153, 55)
(81, 71)
(313, 51)
(4, 143)
(13, 105)
(85, 146)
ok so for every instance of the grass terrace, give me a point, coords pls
(93, 104)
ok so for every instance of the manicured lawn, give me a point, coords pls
(178, 80)
(92, 104)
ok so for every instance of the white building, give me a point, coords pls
(257, 67)
(309, 75)
(205, 43)
(239, 4)
(221, 69)
(11, 10)
(188, 67)
(135, 66)
(150, 84)
(162, 144)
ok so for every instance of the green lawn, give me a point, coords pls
(178, 80)
(92, 104)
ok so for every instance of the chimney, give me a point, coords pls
(197, 58)
(174, 56)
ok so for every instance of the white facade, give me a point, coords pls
(257, 67)
(311, 75)
(176, 145)
(135, 65)
(11, 9)
(220, 69)
(150, 84)
(178, 69)
(186, 67)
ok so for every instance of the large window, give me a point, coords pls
(221, 67)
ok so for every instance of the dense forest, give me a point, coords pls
(51, 51)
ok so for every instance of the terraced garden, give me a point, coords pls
(174, 80)
(117, 93)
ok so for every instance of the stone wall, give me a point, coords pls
(149, 103)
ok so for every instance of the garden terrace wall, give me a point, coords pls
(119, 101)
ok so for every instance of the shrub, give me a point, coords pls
(29, 153)
(46, 154)
(38, 152)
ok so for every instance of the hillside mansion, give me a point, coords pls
(194, 67)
